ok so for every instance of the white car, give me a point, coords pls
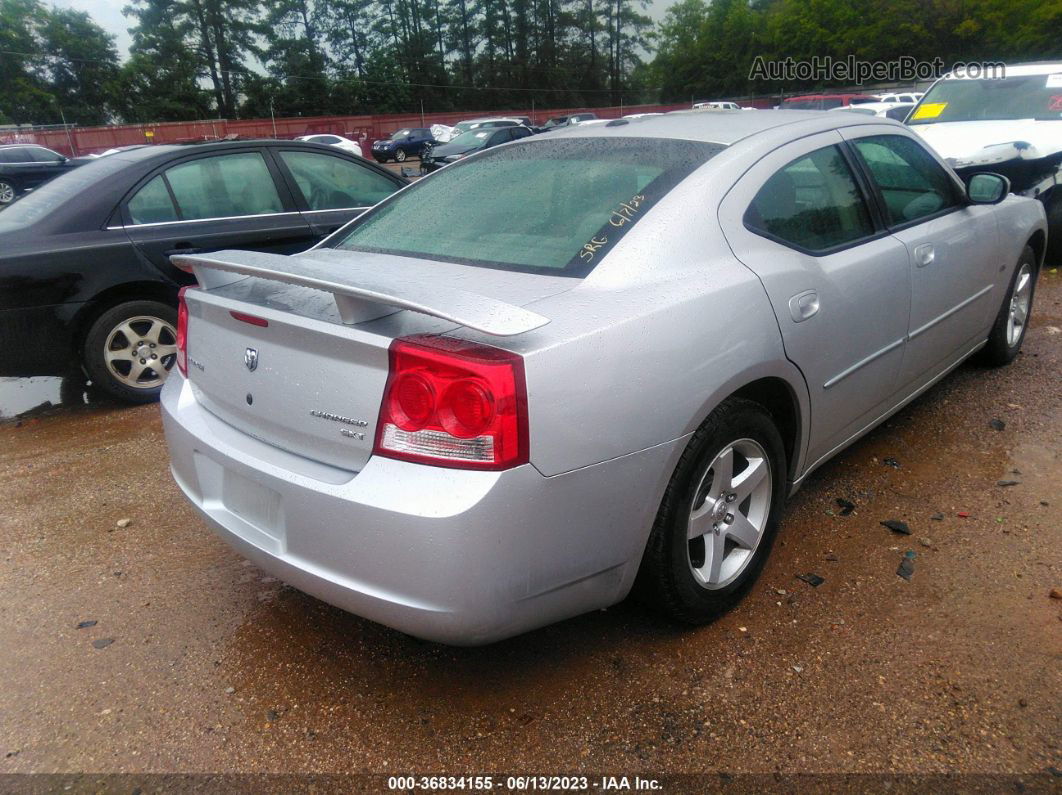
(890, 110)
(909, 97)
(338, 141)
(1010, 124)
(716, 106)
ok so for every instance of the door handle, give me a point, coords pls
(924, 255)
(182, 248)
(804, 305)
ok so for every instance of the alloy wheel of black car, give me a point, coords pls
(8, 192)
(131, 348)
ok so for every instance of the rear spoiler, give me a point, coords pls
(359, 290)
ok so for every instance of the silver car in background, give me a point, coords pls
(611, 361)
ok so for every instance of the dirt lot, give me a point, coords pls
(213, 666)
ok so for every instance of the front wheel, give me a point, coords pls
(719, 515)
(400, 155)
(1008, 332)
(131, 348)
(8, 192)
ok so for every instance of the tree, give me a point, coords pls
(24, 96)
(160, 81)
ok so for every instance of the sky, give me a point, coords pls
(108, 15)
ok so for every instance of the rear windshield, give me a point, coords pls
(539, 206)
(66, 187)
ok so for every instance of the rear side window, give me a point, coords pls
(41, 155)
(332, 183)
(911, 182)
(152, 204)
(544, 207)
(813, 203)
(19, 155)
(223, 186)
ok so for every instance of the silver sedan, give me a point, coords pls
(522, 384)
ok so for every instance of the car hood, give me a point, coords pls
(983, 143)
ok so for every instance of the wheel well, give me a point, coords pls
(777, 397)
(112, 297)
(1038, 242)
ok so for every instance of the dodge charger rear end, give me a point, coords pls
(610, 362)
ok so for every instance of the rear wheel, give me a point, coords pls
(719, 515)
(131, 348)
(8, 192)
(1008, 332)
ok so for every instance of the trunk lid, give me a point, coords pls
(275, 359)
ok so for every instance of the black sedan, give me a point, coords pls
(469, 143)
(84, 260)
(24, 167)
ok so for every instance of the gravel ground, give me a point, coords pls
(197, 661)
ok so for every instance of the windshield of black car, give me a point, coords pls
(473, 139)
(401, 135)
(1019, 97)
(539, 206)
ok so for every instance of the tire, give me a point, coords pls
(8, 191)
(1008, 332)
(1053, 208)
(676, 574)
(400, 156)
(119, 346)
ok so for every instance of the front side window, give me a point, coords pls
(813, 203)
(223, 186)
(911, 182)
(331, 183)
(545, 207)
(152, 204)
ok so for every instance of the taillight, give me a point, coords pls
(182, 333)
(453, 403)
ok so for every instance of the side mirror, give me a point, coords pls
(987, 188)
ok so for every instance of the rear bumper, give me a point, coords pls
(452, 556)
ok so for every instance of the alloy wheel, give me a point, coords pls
(729, 514)
(140, 351)
(7, 193)
(1019, 305)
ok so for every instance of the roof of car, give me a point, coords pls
(722, 127)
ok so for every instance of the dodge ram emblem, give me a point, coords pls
(250, 358)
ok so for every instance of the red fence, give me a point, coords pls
(88, 140)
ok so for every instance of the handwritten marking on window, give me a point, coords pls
(587, 252)
(625, 213)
